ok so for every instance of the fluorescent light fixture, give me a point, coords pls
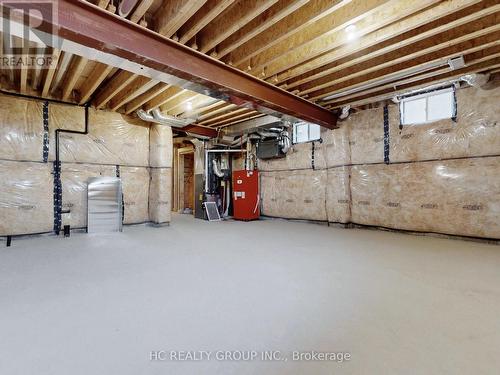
(389, 78)
(189, 106)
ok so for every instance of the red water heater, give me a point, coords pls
(246, 195)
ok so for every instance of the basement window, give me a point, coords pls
(428, 107)
(306, 132)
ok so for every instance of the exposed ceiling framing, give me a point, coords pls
(302, 46)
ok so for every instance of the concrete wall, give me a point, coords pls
(441, 177)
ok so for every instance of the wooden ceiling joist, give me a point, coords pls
(219, 127)
(50, 72)
(73, 72)
(140, 10)
(163, 97)
(258, 25)
(235, 119)
(444, 45)
(202, 18)
(444, 78)
(279, 60)
(222, 108)
(199, 112)
(88, 26)
(475, 62)
(116, 84)
(471, 58)
(440, 18)
(98, 75)
(62, 67)
(224, 116)
(294, 23)
(23, 84)
(178, 101)
(102, 3)
(300, 46)
(197, 103)
(135, 88)
(38, 72)
(145, 97)
(174, 13)
(234, 18)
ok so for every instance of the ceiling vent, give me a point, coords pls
(456, 63)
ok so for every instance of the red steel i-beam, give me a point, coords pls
(88, 25)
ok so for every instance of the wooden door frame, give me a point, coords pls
(178, 175)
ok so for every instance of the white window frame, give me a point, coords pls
(309, 139)
(427, 95)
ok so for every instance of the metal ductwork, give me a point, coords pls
(198, 136)
(126, 6)
(285, 142)
(143, 115)
(345, 112)
(217, 170)
(156, 116)
(170, 120)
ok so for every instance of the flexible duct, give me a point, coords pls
(345, 112)
(476, 80)
(157, 117)
(217, 170)
(285, 142)
(264, 134)
(170, 120)
(143, 115)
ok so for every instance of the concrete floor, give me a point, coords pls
(99, 304)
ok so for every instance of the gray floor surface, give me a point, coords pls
(100, 304)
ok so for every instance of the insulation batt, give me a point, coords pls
(26, 203)
(160, 146)
(298, 194)
(27, 184)
(21, 130)
(459, 197)
(113, 138)
(338, 195)
(446, 176)
(160, 205)
(135, 187)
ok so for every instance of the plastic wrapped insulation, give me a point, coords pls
(476, 80)
(113, 138)
(294, 194)
(297, 157)
(338, 195)
(160, 189)
(460, 197)
(476, 131)
(441, 177)
(135, 185)
(115, 143)
(26, 203)
(160, 146)
(21, 130)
